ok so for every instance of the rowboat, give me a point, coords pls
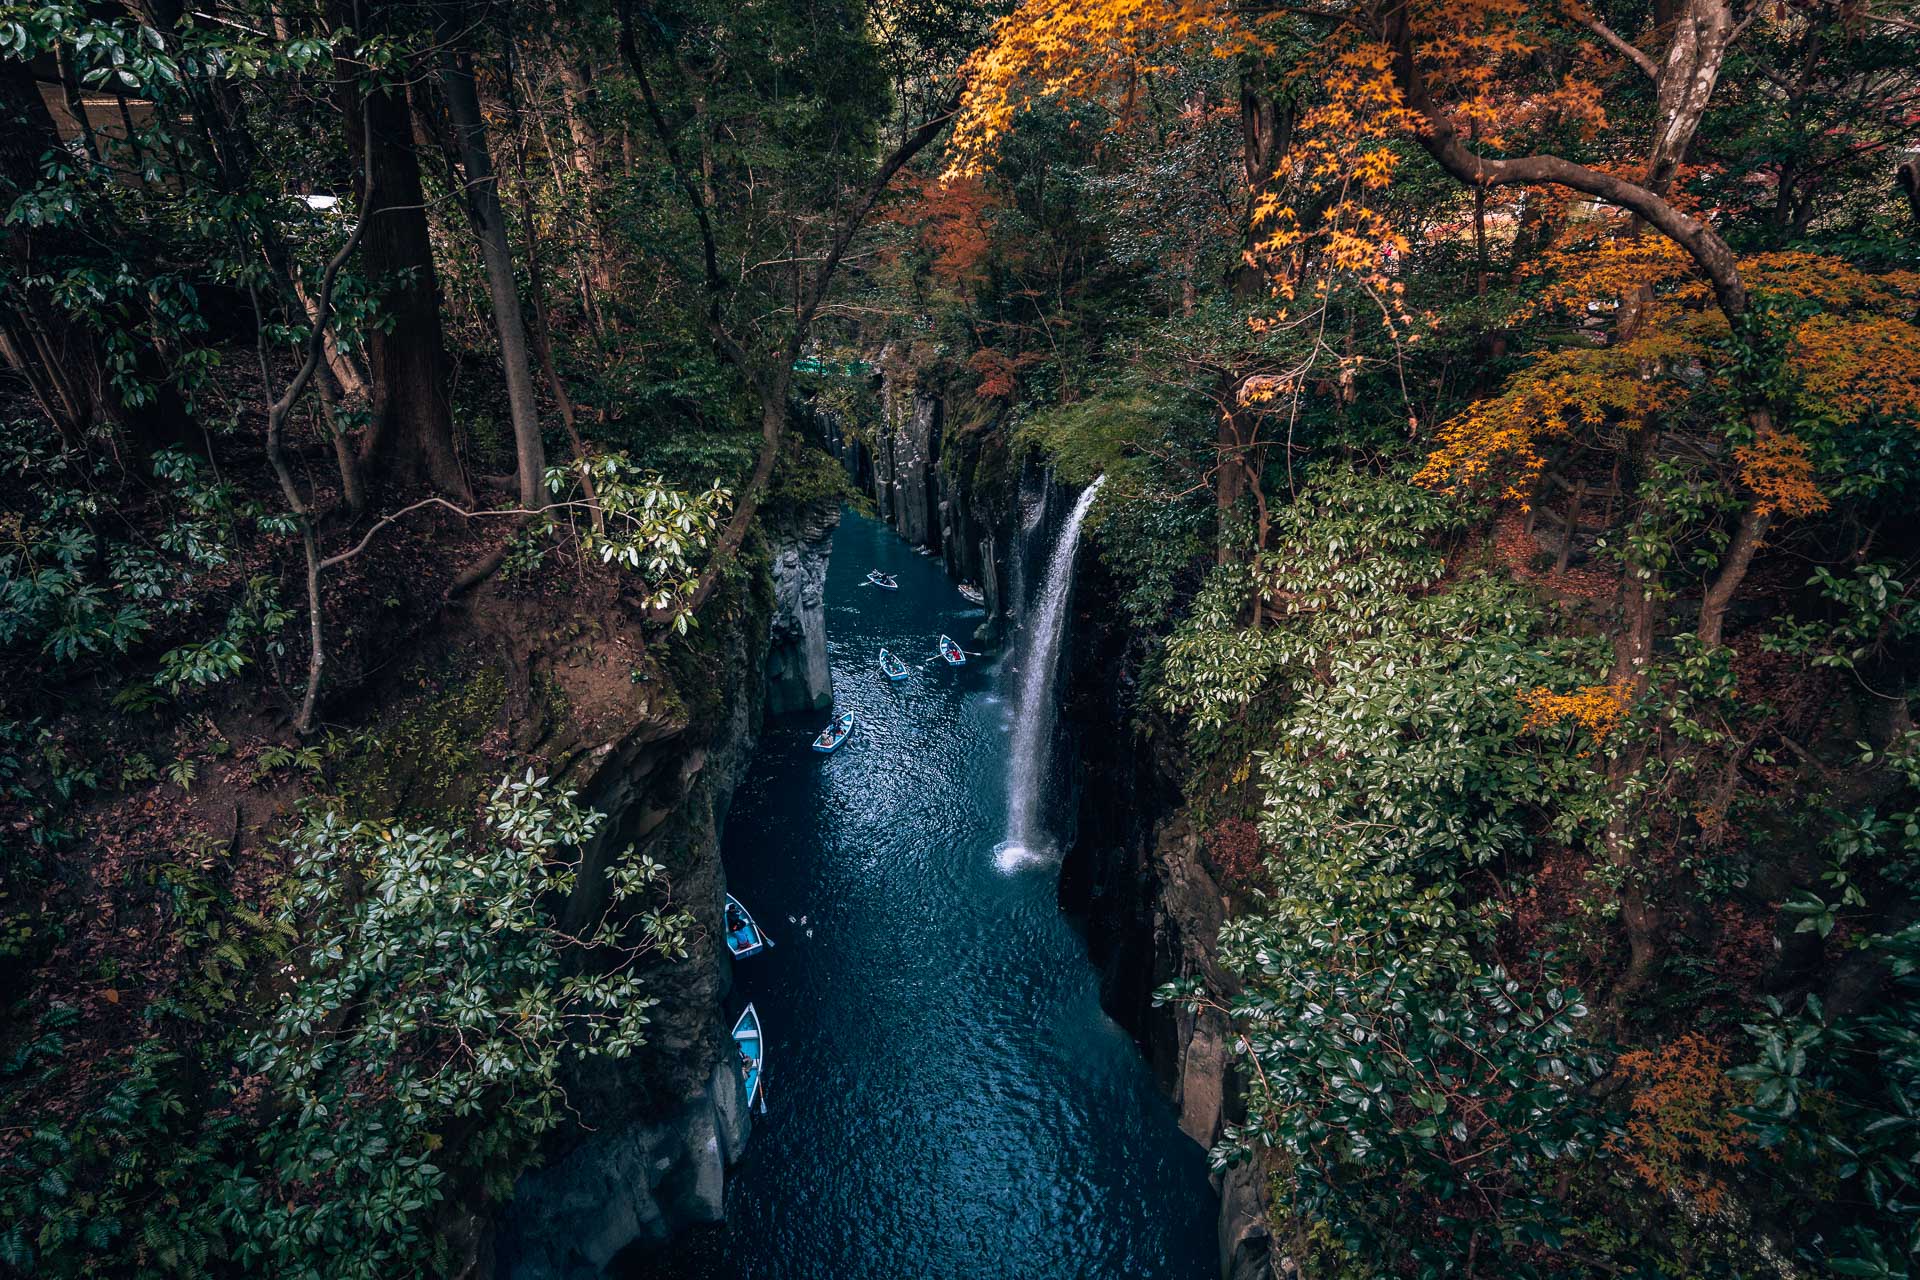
(891, 665)
(972, 594)
(745, 937)
(885, 581)
(953, 653)
(753, 1053)
(835, 733)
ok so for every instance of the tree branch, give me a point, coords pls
(1626, 50)
(709, 248)
(410, 508)
(1444, 143)
(282, 408)
(909, 147)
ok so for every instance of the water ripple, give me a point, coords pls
(947, 1098)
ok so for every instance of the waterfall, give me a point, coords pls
(1033, 712)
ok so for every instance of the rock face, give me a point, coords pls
(635, 1184)
(854, 456)
(798, 677)
(1141, 874)
(978, 525)
(907, 452)
(657, 1131)
(939, 474)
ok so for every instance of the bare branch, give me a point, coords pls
(909, 147)
(683, 176)
(1626, 50)
(391, 517)
(282, 408)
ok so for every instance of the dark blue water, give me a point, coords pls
(946, 1097)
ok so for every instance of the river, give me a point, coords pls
(946, 1097)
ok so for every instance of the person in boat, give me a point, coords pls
(733, 917)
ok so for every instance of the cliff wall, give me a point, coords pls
(939, 472)
(1141, 874)
(798, 677)
(648, 1154)
(1136, 870)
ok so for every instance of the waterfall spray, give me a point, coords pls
(1033, 713)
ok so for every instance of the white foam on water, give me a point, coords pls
(1010, 858)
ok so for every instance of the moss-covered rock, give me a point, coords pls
(426, 757)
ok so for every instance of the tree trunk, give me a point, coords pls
(347, 372)
(1688, 74)
(541, 335)
(576, 89)
(1747, 536)
(773, 420)
(1632, 668)
(410, 441)
(353, 485)
(1266, 134)
(1568, 534)
(76, 104)
(60, 360)
(1229, 471)
(1907, 176)
(490, 227)
(1480, 242)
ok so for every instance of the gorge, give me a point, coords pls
(1390, 528)
(946, 1094)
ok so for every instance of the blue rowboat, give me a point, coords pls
(885, 581)
(745, 937)
(953, 653)
(753, 1053)
(890, 664)
(835, 733)
(972, 594)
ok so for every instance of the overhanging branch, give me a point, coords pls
(897, 159)
(1444, 143)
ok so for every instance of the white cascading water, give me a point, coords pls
(1033, 713)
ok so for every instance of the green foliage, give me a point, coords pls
(1350, 541)
(415, 1051)
(1396, 1087)
(258, 619)
(1099, 436)
(423, 762)
(806, 477)
(128, 1181)
(1868, 616)
(1426, 1096)
(76, 584)
(272, 759)
(1834, 1093)
(1834, 1101)
(1156, 550)
(43, 782)
(638, 522)
(1216, 665)
(434, 993)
